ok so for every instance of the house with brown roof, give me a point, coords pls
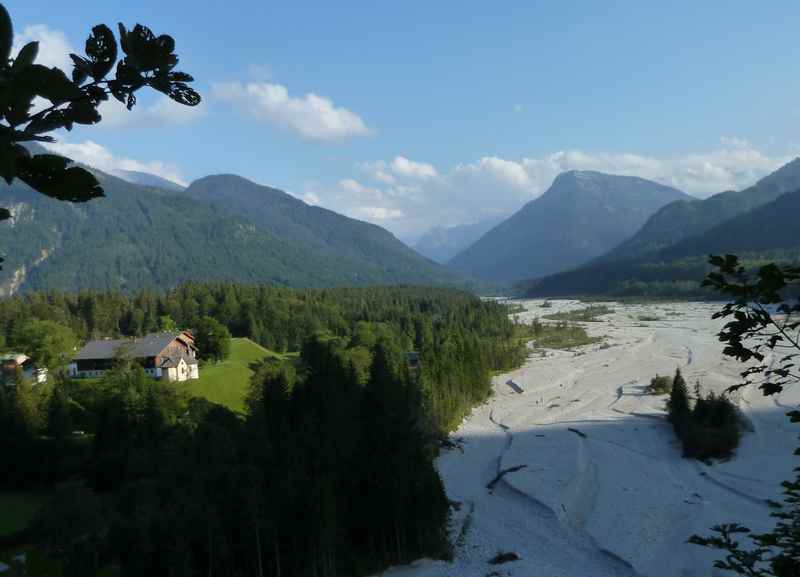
(169, 356)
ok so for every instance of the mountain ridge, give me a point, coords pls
(149, 237)
(724, 222)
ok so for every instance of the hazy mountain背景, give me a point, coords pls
(141, 236)
(441, 243)
(582, 215)
(668, 255)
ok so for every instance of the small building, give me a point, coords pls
(10, 363)
(169, 356)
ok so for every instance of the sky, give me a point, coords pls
(417, 114)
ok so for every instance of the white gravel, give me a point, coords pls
(613, 496)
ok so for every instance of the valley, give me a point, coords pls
(595, 483)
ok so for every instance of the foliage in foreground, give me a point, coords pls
(148, 60)
(765, 322)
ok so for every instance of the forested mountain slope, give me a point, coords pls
(326, 232)
(766, 233)
(581, 216)
(141, 236)
(681, 220)
(668, 255)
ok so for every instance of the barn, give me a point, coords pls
(168, 356)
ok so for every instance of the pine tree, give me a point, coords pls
(678, 404)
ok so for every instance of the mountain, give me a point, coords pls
(440, 244)
(685, 219)
(330, 235)
(668, 255)
(147, 179)
(581, 216)
(140, 236)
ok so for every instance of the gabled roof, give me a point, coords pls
(146, 346)
(173, 361)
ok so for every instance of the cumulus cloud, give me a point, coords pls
(399, 167)
(163, 111)
(311, 116)
(414, 201)
(98, 156)
(54, 48)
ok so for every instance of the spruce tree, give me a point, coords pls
(678, 404)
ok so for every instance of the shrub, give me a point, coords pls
(709, 430)
(660, 385)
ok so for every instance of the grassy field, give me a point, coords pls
(228, 382)
(17, 510)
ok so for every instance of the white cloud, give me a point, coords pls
(54, 48)
(311, 116)
(163, 111)
(379, 213)
(98, 156)
(491, 185)
(405, 167)
(399, 167)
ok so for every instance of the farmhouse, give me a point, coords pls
(168, 356)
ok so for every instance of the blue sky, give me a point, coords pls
(413, 114)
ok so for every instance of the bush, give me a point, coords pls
(660, 385)
(709, 430)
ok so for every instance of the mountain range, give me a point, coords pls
(581, 216)
(442, 243)
(219, 228)
(668, 255)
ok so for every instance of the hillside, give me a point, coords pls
(762, 226)
(441, 243)
(371, 250)
(681, 220)
(228, 382)
(149, 237)
(581, 216)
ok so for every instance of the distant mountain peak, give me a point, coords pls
(583, 214)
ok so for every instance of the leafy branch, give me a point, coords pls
(147, 61)
(764, 320)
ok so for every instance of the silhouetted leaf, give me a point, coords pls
(26, 56)
(50, 121)
(101, 48)
(181, 93)
(6, 35)
(5, 214)
(83, 112)
(49, 83)
(51, 175)
(81, 69)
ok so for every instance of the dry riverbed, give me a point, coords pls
(585, 475)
